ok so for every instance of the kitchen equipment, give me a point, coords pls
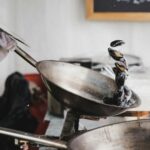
(77, 87)
(131, 135)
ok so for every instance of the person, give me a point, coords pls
(16, 116)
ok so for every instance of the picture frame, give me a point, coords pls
(124, 12)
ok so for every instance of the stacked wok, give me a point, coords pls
(132, 135)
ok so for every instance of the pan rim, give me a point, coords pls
(136, 104)
(108, 125)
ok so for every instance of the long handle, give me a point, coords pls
(18, 50)
(26, 56)
(33, 138)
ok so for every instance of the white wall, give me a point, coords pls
(6, 18)
(59, 28)
(55, 29)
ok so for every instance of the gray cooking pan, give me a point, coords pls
(77, 87)
(132, 135)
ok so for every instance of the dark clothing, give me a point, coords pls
(14, 109)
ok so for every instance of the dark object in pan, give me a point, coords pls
(131, 135)
(80, 88)
(77, 87)
(33, 138)
(117, 43)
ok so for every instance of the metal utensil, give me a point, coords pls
(7, 43)
(33, 138)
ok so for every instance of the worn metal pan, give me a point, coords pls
(77, 87)
(132, 135)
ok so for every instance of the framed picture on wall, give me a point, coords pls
(130, 10)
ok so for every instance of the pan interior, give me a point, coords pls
(134, 135)
(77, 80)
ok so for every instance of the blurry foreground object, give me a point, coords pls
(131, 135)
(39, 106)
(59, 78)
(7, 43)
(14, 109)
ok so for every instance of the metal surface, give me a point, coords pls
(80, 88)
(26, 56)
(77, 87)
(71, 125)
(33, 138)
(133, 135)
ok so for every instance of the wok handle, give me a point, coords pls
(26, 56)
(33, 138)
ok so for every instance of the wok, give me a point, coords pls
(77, 87)
(131, 135)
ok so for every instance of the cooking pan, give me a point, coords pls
(77, 87)
(131, 135)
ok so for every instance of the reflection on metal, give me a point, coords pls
(7, 43)
(33, 138)
(79, 88)
(132, 135)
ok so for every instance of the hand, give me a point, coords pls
(6, 42)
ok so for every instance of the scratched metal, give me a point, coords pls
(80, 88)
(133, 135)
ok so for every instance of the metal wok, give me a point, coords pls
(79, 88)
(132, 135)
